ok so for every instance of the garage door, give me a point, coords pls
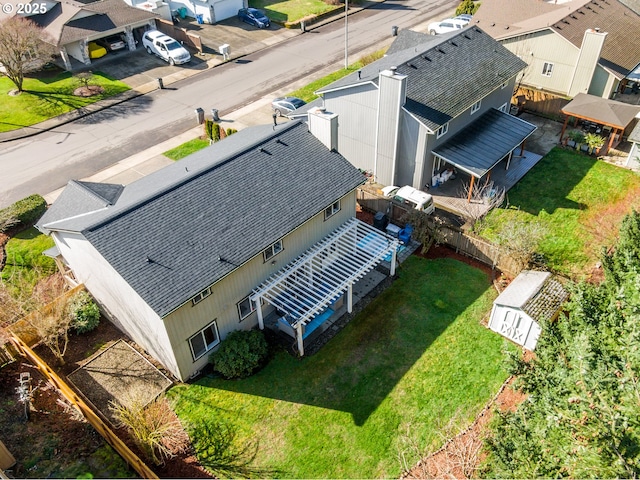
(226, 9)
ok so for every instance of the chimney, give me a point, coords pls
(324, 126)
(588, 58)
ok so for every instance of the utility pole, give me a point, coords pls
(346, 34)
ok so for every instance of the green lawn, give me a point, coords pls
(25, 264)
(48, 97)
(579, 200)
(413, 359)
(186, 149)
(292, 10)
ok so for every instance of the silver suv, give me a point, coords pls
(447, 25)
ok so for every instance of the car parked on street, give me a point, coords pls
(165, 47)
(253, 16)
(464, 16)
(284, 105)
(112, 43)
(446, 26)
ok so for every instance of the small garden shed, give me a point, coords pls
(532, 296)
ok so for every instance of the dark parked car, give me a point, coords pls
(283, 105)
(112, 42)
(253, 16)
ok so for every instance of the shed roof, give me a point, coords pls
(536, 293)
(177, 231)
(601, 110)
(481, 145)
(439, 70)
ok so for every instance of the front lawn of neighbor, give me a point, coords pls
(414, 358)
(580, 201)
(291, 10)
(47, 98)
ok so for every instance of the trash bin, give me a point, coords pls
(394, 31)
(380, 221)
(200, 115)
(214, 114)
(182, 11)
(160, 84)
(199, 18)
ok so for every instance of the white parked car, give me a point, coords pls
(165, 47)
(447, 25)
(413, 197)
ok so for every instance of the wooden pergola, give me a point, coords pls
(601, 111)
(305, 288)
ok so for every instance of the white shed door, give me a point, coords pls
(226, 9)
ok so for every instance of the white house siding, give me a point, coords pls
(357, 110)
(412, 137)
(391, 98)
(226, 9)
(221, 305)
(545, 46)
(603, 83)
(126, 309)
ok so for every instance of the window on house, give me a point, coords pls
(201, 296)
(476, 106)
(246, 307)
(547, 69)
(272, 250)
(442, 130)
(332, 209)
(204, 340)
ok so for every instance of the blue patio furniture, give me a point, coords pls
(404, 235)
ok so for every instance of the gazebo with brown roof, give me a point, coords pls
(601, 111)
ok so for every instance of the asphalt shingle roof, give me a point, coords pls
(440, 71)
(167, 231)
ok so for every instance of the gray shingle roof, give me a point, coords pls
(601, 110)
(441, 70)
(231, 200)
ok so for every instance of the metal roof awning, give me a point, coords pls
(308, 285)
(480, 146)
(600, 110)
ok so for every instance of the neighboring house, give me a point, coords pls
(633, 159)
(260, 224)
(431, 103)
(571, 47)
(212, 11)
(531, 297)
(70, 25)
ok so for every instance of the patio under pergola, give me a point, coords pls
(304, 291)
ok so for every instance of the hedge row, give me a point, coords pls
(23, 213)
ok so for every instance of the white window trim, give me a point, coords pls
(252, 307)
(442, 130)
(270, 252)
(208, 348)
(332, 209)
(476, 106)
(547, 69)
(201, 296)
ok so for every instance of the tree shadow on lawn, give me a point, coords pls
(358, 368)
(546, 187)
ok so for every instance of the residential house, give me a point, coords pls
(71, 25)
(531, 297)
(571, 46)
(211, 11)
(261, 223)
(433, 103)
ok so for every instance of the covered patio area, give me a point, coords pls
(600, 116)
(307, 292)
(470, 158)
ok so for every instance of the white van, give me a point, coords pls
(165, 47)
(411, 196)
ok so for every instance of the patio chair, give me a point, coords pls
(404, 235)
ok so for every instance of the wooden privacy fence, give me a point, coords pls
(180, 34)
(453, 237)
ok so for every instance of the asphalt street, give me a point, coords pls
(47, 161)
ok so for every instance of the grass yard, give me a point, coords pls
(580, 200)
(413, 359)
(292, 10)
(186, 149)
(46, 98)
(25, 264)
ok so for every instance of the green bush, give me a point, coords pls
(231, 131)
(23, 213)
(216, 132)
(240, 354)
(84, 312)
(208, 128)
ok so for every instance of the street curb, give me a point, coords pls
(100, 105)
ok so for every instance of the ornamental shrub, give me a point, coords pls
(240, 354)
(23, 213)
(84, 312)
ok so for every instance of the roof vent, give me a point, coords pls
(424, 57)
(393, 69)
(440, 50)
(589, 8)
(466, 36)
(409, 64)
(453, 43)
(597, 29)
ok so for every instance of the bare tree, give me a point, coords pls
(479, 200)
(52, 323)
(425, 227)
(520, 241)
(22, 48)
